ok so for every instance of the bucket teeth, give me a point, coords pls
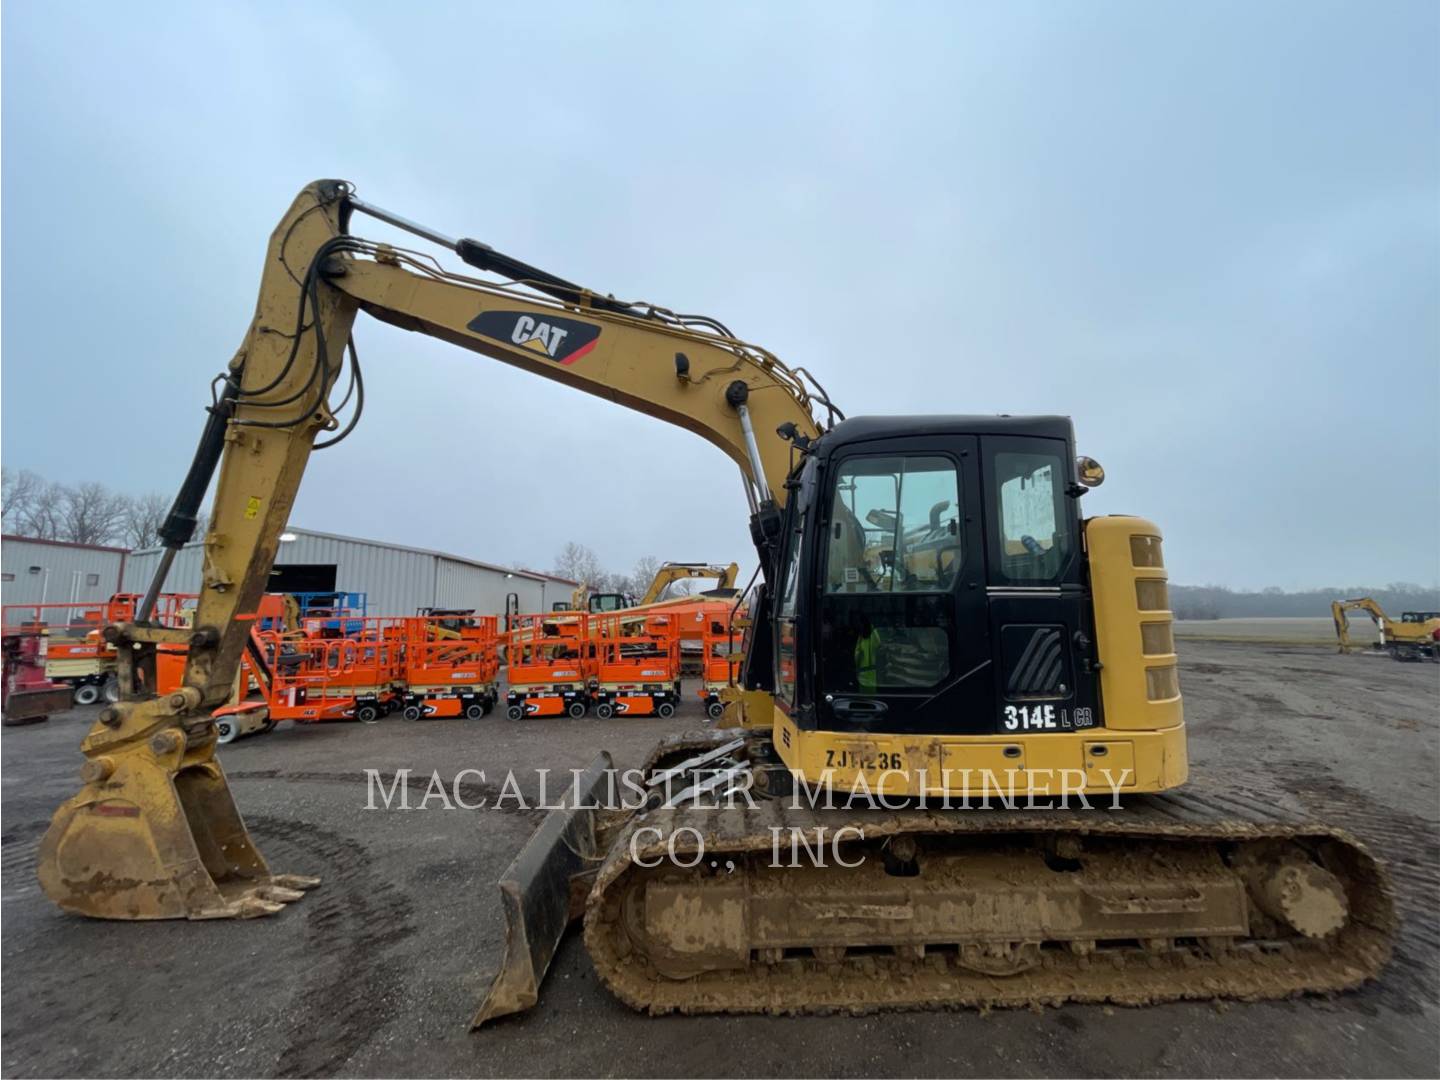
(279, 894)
(294, 881)
(255, 906)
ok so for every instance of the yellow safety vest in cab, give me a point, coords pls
(867, 651)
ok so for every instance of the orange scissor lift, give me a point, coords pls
(637, 664)
(452, 665)
(549, 659)
(722, 654)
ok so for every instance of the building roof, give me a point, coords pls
(63, 543)
(534, 575)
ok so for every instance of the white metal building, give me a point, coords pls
(396, 580)
(56, 572)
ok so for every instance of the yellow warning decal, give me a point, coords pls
(252, 507)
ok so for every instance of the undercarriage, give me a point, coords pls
(695, 900)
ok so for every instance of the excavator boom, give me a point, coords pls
(127, 846)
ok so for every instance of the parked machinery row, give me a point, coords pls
(319, 657)
(337, 664)
(569, 662)
(437, 665)
(56, 655)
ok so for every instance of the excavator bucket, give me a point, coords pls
(544, 889)
(154, 834)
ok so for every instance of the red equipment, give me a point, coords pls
(26, 695)
(548, 659)
(637, 664)
(452, 664)
(72, 650)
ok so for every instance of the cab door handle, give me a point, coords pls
(858, 707)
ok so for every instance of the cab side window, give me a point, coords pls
(1034, 534)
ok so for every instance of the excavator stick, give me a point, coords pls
(154, 834)
(544, 890)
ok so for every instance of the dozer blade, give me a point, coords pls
(154, 832)
(543, 890)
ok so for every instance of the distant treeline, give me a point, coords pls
(1218, 602)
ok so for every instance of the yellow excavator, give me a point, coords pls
(671, 572)
(582, 599)
(937, 629)
(1414, 636)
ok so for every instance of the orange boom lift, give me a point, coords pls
(310, 679)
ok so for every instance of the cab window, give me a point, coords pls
(1034, 540)
(894, 526)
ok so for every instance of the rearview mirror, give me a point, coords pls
(1089, 472)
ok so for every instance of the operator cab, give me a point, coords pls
(599, 603)
(934, 569)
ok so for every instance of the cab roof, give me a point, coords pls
(865, 428)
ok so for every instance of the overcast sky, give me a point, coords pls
(1209, 232)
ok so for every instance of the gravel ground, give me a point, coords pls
(1301, 630)
(379, 971)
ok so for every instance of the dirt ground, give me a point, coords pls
(1302, 630)
(379, 971)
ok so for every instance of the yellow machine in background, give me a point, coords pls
(583, 599)
(1414, 636)
(671, 572)
(936, 620)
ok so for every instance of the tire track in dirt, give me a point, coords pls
(1409, 846)
(351, 974)
(19, 851)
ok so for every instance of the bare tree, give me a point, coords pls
(41, 517)
(578, 563)
(91, 513)
(18, 492)
(143, 517)
(643, 574)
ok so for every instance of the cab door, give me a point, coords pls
(1046, 674)
(900, 621)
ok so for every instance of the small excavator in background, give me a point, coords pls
(671, 572)
(935, 623)
(599, 603)
(1414, 636)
